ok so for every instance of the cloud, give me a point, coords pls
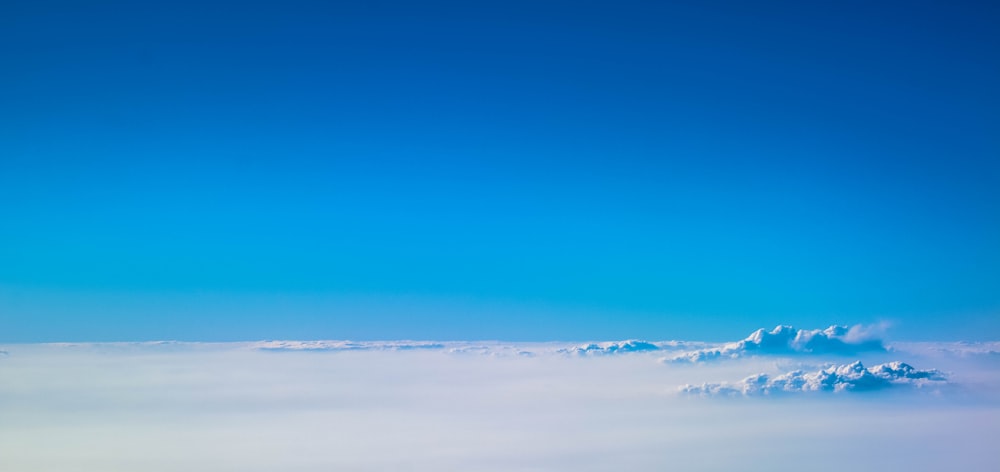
(223, 406)
(783, 339)
(613, 347)
(345, 345)
(852, 377)
(495, 350)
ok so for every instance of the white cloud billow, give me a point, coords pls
(784, 339)
(852, 377)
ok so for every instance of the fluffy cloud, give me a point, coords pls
(788, 340)
(852, 377)
(614, 347)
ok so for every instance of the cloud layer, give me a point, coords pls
(374, 406)
(491, 348)
(345, 345)
(853, 377)
(614, 347)
(840, 340)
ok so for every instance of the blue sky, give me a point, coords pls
(523, 171)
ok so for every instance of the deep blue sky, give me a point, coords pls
(527, 171)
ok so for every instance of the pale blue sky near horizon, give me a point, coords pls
(497, 170)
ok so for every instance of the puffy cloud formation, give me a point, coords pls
(788, 340)
(852, 377)
(615, 347)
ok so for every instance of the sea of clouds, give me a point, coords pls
(781, 399)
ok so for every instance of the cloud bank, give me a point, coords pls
(852, 377)
(614, 347)
(490, 348)
(345, 345)
(406, 405)
(783, 339)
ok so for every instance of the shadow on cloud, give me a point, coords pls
(853, 377)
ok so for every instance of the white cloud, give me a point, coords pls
(840, 340)
(852, 377)
(489, 348)
(613, 347)
(163, 407)
(493, 349)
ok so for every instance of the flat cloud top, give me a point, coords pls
(782, 340)
(345, 345)
(454, 405)
(494, 348)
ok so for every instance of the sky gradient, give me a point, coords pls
(497, 170)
